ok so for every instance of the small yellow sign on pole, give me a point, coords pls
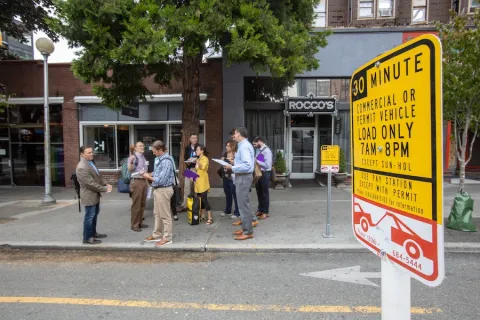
(330, 158)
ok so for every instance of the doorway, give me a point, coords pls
(148, 136)
(303, 160)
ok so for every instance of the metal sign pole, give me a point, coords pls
(396, 292)
(327, 233)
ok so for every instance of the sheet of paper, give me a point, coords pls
(149, 192)
(191, 160)
(223, 163)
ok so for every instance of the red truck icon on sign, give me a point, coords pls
(401, 234)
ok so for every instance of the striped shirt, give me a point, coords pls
(163, 172)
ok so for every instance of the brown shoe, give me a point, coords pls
(244, 237)
(254, 224)
(237, 223)
(263, 216)
(238, 233)
(259, 213)
(163, 243)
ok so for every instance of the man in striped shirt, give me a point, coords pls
(162, 184)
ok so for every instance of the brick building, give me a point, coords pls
(78, 117)
(232, 95)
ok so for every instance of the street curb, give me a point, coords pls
(451, 247)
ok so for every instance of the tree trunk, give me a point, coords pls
(462, 145)
(191, 106)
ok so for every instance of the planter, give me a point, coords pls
(282, 181)
(339, 179)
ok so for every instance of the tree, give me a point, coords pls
(33, 15)
(461, 82)
(125, 41)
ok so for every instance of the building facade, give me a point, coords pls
(78, 117)
(362, 30)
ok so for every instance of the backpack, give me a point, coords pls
(126, 175)
(76, 184)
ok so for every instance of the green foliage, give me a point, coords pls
(280, 165)
(461, 81)
(342, 163)
(461, 64)
(33, 14)
(122, 42)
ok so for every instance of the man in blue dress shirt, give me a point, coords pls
(243, 170)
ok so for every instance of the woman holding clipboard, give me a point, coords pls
(202, 183)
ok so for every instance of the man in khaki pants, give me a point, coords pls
(162, 182)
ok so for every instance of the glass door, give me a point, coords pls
(148, 137)
(302, 153)
(5, 178)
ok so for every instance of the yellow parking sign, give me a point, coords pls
(397, 148)
(330, 158)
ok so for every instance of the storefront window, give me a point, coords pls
(27, 144)
(270, 125)
(102, 140)
(325, 87)
(123, 142)
(175, 138)
(263, 89)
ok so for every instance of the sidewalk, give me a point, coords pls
(296, 224)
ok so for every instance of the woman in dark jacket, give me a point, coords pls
(228, 185)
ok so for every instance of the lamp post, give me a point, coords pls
(46, 48)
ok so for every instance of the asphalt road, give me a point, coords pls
(106, 285)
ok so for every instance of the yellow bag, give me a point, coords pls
(194, 205)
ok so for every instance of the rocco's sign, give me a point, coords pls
(310, 105)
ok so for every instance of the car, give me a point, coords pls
(362, 218)
(414, 245)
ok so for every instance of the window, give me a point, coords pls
(419, 11)
(365, 9)
(474, 4)
(175, 139)
(376, 8)
(102, 139)
(263, 89)
(123, 142)
(385, 8)
(320, 15)
(323, 88)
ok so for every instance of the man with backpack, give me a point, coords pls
(91, 186)
(138, 185)
(264, 159)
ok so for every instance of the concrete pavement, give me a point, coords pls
(296, 224)
(73, 285)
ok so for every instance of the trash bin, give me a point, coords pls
(460, 217)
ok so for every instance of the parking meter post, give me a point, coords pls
(328, 233)
(396, 292)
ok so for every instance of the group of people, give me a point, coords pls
(237, 175)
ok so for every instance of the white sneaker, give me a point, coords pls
(222, 214)
(233, 216)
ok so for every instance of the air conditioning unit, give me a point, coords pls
(385, 12)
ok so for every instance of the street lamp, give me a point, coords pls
(46, 48)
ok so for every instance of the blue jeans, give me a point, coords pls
(229, 189)
(90, 221)
(263, 192)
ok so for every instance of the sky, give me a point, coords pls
(61, 54)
